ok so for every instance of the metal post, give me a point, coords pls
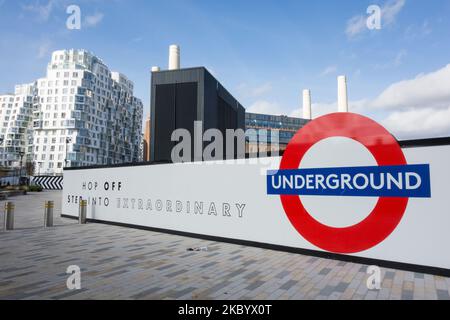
(21, 164)
(82, 212)
(9, 216)
(48, 214)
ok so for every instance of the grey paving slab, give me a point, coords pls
(288, 285)
(124, 263)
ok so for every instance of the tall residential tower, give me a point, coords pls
(80, 114)
(16, 132)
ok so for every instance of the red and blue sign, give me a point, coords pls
(393, 181)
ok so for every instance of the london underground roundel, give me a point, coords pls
(392, 181)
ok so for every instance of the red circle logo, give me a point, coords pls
(388, 211)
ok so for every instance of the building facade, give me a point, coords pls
(82, 114)
(87, 115)
(146, 141)
(180, 97)
(16, 126)
(265, 126)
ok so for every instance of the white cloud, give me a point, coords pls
(328, 70)
(419, 123)
(419, 107)
(414, 108)
(432, 89)
(390, 11)
(93, 20)
(44, 49)
(263, 106)
(356, 25)
(43, 11)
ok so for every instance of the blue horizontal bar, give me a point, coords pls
(407, 181)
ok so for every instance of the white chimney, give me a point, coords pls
(155, 69)
(307, 104)
(342, 94)
(174, 57)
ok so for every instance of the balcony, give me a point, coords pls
(38, 124)
(76, 148)
(79, 107)
(75, 115)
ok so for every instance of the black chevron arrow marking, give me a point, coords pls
(49, 182)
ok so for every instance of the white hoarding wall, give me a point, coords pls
(230, 200)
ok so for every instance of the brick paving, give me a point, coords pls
(124, 263)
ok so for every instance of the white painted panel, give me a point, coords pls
(422, 236)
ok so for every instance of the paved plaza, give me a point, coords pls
(125, 263)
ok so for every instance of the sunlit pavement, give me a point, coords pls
(124, 263)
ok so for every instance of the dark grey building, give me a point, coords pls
(180, 97)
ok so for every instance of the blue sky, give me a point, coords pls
(264, 52)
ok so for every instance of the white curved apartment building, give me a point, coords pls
(16, 125)
(83, 114)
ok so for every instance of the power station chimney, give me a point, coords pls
(155, 69)
(307, 104)
(174, 57)
(342, 94)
